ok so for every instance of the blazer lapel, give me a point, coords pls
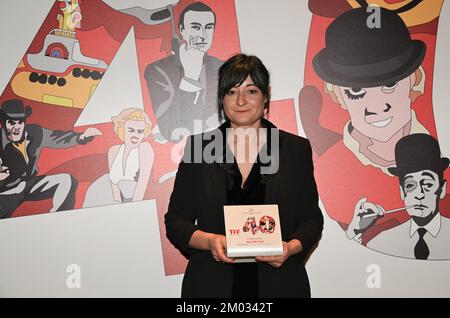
(274, 177)
(214, 177)
(218, 179)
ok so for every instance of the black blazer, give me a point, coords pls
(199, 195)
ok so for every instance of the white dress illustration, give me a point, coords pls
(125, 176)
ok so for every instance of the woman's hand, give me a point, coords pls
(217, 245)
(289, 248)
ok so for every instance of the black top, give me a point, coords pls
(245, 275)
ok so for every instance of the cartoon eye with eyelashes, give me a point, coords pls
(389, 88)
(355, 93)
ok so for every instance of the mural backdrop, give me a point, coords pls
(366, 106)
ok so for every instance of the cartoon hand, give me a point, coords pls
(310, 105)
(364, 216)
(4, 173)
(157, 136)
(191, 58)
(90, 133)
(74, 21)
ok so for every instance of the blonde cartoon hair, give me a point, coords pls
(417, 87)
(130, 114)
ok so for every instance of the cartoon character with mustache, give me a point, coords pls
(420, 170)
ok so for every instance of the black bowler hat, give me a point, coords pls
(15, 110)
(358, 56)
(418, 152)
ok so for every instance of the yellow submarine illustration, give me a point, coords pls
(60, 74)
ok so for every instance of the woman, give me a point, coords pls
(195, 221)
(130, 163)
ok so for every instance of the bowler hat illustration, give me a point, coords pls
(14, 109)
(358, 55)
(418, 152)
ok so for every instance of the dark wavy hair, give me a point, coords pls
(234, 72)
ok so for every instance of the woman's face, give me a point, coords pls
(134, 132)
(244, 105)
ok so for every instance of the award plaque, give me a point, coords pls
(252, 230)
